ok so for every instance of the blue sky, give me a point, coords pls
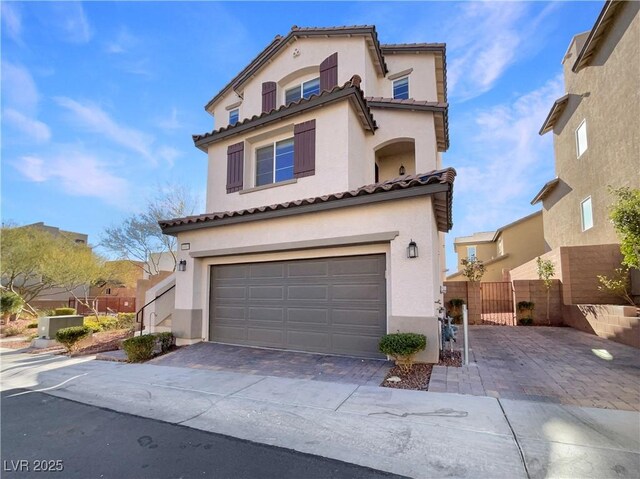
(99, 99)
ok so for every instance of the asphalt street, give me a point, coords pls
(48, 437)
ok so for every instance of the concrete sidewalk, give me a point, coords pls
(411, 433)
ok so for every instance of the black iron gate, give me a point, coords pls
(498, 303)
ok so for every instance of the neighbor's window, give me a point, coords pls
(234, 116)
(586, 213)
(274, 163)
(304, 90)
(581, 138)
(401, 88)
(471, 252)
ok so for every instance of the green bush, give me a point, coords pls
(525, 306)
(32, 325)
(166, 341)
(126, 320)
(68, 337)
(12, 331)
(10, 302)
(140, 348)
(456, 302)
(103, 323)
(402, 347)
(64, 311)
(526, 321)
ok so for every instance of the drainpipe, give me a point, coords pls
(465, 325)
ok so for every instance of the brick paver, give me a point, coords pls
(545, 364)
(270, 362)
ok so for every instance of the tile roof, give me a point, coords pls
(443, 177)
(352, 87)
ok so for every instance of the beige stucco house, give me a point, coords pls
(324, 168)
(502, 250)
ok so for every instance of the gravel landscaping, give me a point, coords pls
(418, 377)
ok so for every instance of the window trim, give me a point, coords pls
(300, 88)
(588, 198)
(475, 252)
(273, 145)
(578, 154)
(393, 83)
(237, 112)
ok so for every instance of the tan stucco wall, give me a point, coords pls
(607, 95)
(412, 284)
(422, 80)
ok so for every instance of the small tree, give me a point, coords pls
(625, 215)
(546, 272)
(473, 269)
(618, 284)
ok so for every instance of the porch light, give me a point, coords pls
(182, 265)
(401, 171)
(412, 250)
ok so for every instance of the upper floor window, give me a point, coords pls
(304, 90)
(471, 252)
(401, 88)
(234, 116)
(581, 138)
(586, 212)
(274, 163)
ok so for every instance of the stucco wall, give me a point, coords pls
(606, 94)
(422, 80)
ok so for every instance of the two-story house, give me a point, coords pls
(327, 205)
(502, 250)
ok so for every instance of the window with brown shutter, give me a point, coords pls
(329, 72)
(304, 149)
(235, 167)
(268, 96)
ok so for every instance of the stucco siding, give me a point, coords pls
(422, 80)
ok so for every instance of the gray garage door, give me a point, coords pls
(327, 305)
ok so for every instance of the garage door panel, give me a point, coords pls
(266, 292)
(308, 292)
(328, 305)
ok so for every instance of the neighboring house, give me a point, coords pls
(325, 169)
(503, 249)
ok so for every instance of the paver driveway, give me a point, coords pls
(548, 364)
(273, 362)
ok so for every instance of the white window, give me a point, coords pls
(581, 138)
(586, 213)
(234, 116)
(304, 90)
(274, 163)
(401, 88)
(471, 252)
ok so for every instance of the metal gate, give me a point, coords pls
(498, 303)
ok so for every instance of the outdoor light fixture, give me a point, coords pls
(412, 250)
(401, 171)
(182, 265)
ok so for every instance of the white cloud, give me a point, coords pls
(168, 154)
(170, 123)
(96, 120)
(76, 173)
(122, 43)
(12, 21)
(69, 21)
(35, 129)
(509, 163)
(19, 91)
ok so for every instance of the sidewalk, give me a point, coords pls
(411, 433)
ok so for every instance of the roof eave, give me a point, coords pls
(591, 44)
(554, 113)
(547, 188)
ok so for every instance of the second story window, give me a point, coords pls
(471, 252)
(581, 138)
(401, 88)
(304, 90)
(586, 214)
(234, 116)
(274, 163)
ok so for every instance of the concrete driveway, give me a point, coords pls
(546, 364)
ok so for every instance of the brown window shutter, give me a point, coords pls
(268, 96)
(235, 167)
(304, 149)
(329, 72)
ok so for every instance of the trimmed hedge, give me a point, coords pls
(139, 348)
(64, 311)
(68, 337)
(526, 306)
(166, 341)
(402, 347)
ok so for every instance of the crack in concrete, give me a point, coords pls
(443, 412)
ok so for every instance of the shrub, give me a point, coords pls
(126, 320)
(525, 306)
(456, 302)
(68, 337)
(166, 341)
(103, 323)
(10, 303)
(526, 321)
(32, 325)
(402, 347)
(64, 311)
(12, 331)
(139, 348)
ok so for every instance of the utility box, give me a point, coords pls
(48, 326)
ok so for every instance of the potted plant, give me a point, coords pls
(525, 308)
(403, 347)
(455, 309)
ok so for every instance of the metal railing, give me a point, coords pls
(140, 312)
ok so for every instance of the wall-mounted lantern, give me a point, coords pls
(402, 170)
(182, 265)
(412, 250)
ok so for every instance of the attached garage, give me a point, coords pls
(326, 305)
